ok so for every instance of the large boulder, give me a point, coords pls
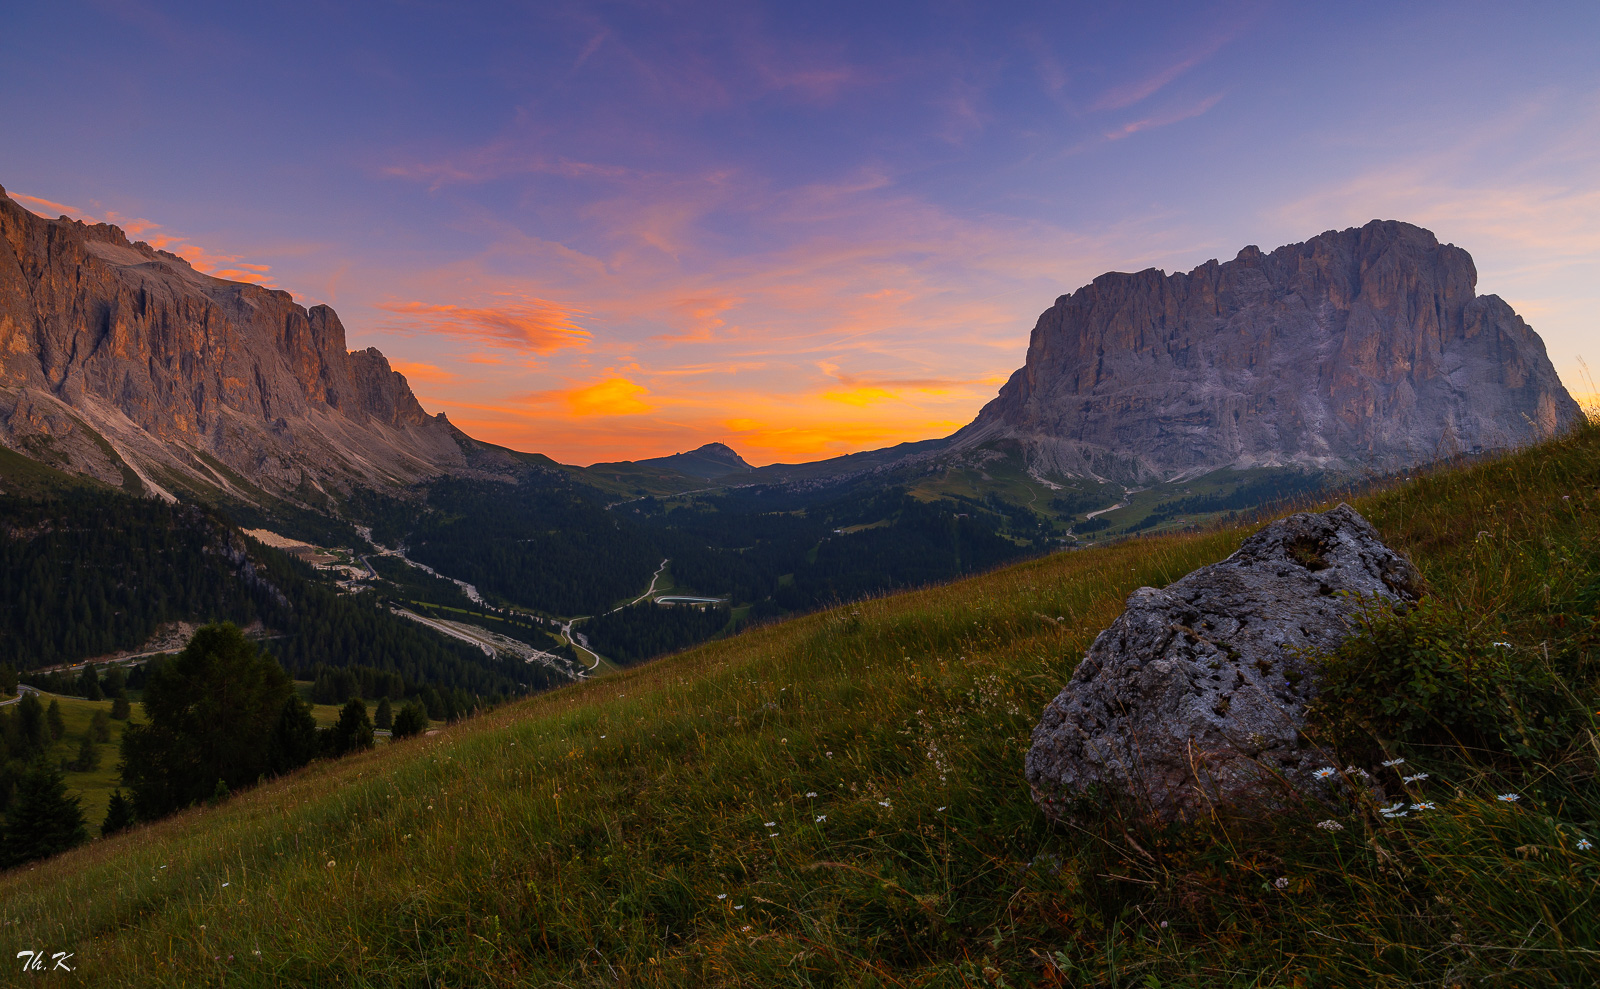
(1195, 697)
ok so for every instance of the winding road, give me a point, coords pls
(22, 689)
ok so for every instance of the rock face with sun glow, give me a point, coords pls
(116, 358)
(1364, 348)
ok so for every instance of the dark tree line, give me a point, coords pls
(646, 629)
(87, 572)
(543, 543)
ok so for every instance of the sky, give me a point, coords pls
(607, 231)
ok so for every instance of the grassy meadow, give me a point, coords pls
(838, 800)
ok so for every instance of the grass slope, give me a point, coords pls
(838, 800)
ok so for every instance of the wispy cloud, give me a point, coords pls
(1163, 119)
(1138, 90)
(531, 324)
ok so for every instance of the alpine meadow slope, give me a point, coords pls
(839, 800)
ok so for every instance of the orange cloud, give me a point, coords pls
(417, 371)
(700, 316)
(608, 397)
(536, 325)
(56, 209)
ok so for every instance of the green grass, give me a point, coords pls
(588, 836)
(93, 787)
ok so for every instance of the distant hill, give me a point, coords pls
(709, 462)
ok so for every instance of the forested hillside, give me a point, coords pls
(86, 572)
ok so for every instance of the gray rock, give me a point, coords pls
(1359, 349)
(122, 361)
(1196, 695)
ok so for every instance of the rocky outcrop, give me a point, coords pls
(1194, 698)
(1358, 349)
(122, 361)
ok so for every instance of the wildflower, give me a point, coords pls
(1393, 762)
(1413, 779)
(1282, 882)
(770, 824)
(745, 927)
(821, 818)
(739, 906)
(1584, 844)
(772, 834)
(1323, 773)
(226, 885)
(330, 863)
(940, 809)
(883, 803)
(1508, 798)
(1163, 923)
(828, 754)
(1503, 645)
(1394, 814)
(811, 793)
(1425, 805)
(722, 896)
(1330, 825)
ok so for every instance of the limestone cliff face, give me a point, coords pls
(1360, 348)
(114, 351)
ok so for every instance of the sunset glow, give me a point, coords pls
(616, 232)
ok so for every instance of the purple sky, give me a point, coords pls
(603, 231)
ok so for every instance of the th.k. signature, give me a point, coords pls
(34, 961)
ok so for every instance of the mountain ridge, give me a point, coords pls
(1365, 348)
(123, 362)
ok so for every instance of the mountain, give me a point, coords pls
(123, 362)
(1358, 349)
(711, 461)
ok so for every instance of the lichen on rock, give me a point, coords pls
(1195, 697)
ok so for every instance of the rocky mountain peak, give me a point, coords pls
(1365, 348)
(122, 361)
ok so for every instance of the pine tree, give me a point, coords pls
(100, 727)
(120, 708)
(354, 730)
(8, 680)
(31, 723)
(385, 717)
(412, 720)
(57, 723)
(89, 684)
(42, 820)
(294, 739)
(88, 756)
(119, 814)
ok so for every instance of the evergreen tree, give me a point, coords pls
(89, 684)
(31, 730)
(115, 682)
(88, 755)
(57, 723)
(42, 820)
(119, 814)
(219, 793)
(385, 717)
(120, 708)
(100, 727)
(354, 730)
(214, 710)
(8, 680)
(412, 720)
(294, 738)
